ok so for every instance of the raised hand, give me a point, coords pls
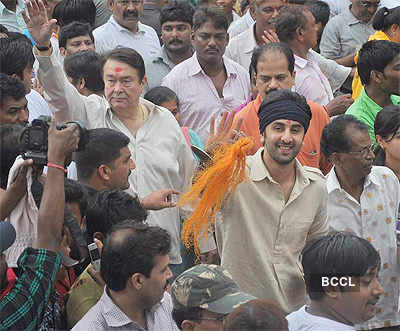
(225, 134)
(270, 36)
(40, 27)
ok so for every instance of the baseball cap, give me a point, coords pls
(7, 235)
(207, 286)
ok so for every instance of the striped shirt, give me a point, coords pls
(23, 307)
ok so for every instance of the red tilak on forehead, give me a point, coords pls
(289, 122)
(118, 69)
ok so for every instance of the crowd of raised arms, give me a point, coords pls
(200, 165)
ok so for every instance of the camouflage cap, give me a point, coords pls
(207, 286)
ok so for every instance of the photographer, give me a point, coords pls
(22, 308)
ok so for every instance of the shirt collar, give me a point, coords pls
(250, 42)
(163, 57)
(332, 182)
(122, 29)
(195, 67)
(249, 19)
(299, 61)
(20, 6)
(113, 316)
(258, 171)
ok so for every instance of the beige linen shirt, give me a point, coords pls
(260, 237)
(162, 156)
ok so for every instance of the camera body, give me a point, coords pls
(34, 141)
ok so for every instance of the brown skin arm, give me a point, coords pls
(51, 213)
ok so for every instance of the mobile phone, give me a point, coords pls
(94, 256)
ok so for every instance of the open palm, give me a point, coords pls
(40, 27)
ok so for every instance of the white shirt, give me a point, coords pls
(240, 50)
(310, 82)
(162, 157)
(106, 315)
(300, 320)
(198, 97)
(373, 219)
(37, 106)
(112, 35)
(240, 25)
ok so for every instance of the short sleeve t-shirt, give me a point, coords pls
(300, 320)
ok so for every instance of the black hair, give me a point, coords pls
(68, 11)
(387, 123)
(160, 94)
(15, 56)
(73, 30)
(290, 19)
(178, 11)
(85, 65)
(340, 254)
(320, 11)
(128, 56)
(257, 315)
(9, 148)
(103, 147)
(334, 137)
(211, 14)
(11, 87)
(131, 248)
(280, 47)
(74, 192)
(375, 55)
(12, 35)
(385, 18)
(112, 206)
(186, 313)
(243, 5)
(3, 29)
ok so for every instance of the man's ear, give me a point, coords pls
(104, 172)
(82, 83)
(137, 281)
(332, 292)
(63, 52)
(188, 325)
(98, 236)
(376, 76)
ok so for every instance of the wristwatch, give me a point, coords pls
(43, 48)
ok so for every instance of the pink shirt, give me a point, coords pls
(198, 97)
(311, 82)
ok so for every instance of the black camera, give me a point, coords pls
(33, 138)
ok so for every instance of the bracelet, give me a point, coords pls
(56, 166)
(43, 48)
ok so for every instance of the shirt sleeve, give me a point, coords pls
(23, 307)
(320, 226)
(67, 103)
(330, 41)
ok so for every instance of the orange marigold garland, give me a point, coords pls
(221, 178)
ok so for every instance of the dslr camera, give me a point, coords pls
(34, 143)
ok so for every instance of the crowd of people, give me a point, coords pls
(200, 165)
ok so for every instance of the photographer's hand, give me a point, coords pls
(39, 25)
(10, 198)
(51, 213)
